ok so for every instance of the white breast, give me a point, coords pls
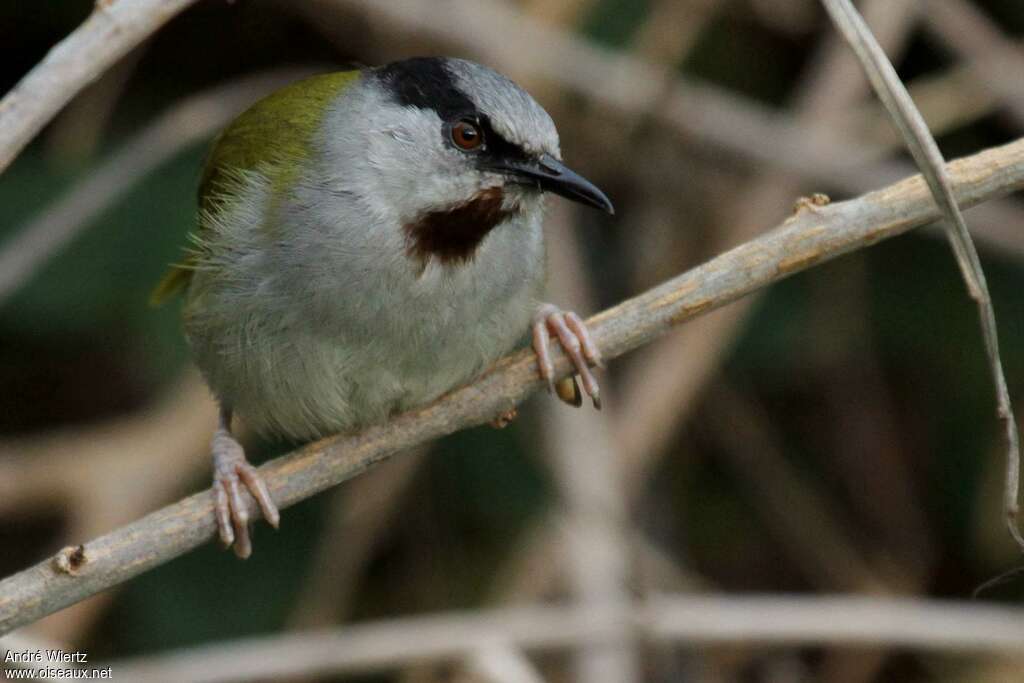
(337, 328)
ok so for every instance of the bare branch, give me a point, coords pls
(108, 34)
(789, 620)
(814, 235)
(80, 473)
(929, 159)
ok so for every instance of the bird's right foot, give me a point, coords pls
(231, 470)
(572, 333)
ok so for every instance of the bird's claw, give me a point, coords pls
(568, 389)
(575, 338)
(231, 471)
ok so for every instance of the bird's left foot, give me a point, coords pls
(232, 472)
(574, 337)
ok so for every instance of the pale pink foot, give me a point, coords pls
(231, 470)
(574, 337)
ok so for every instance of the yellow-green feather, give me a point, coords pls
(272, 137)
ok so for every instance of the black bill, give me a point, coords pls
(551, 175)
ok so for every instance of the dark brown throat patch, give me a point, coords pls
(452, 235)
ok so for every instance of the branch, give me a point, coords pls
(925, 150)
(114, 28)
(763, 620)
(813, 235)
(741, 126)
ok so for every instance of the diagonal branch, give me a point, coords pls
(108, 34)
(813, 235)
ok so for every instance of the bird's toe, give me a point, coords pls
(579, 345)
(231, 473)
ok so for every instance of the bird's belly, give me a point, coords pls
(335, 341)
(304, 384)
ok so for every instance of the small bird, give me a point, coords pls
(368, 240)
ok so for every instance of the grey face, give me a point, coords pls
(487, 131)
(455, 89)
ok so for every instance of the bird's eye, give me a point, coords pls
(466, 135)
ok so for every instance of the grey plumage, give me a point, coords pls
(307, 314)
(367, 242)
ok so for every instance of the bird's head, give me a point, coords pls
(454, 149)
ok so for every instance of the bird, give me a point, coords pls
(366, 241)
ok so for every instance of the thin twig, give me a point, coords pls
(810, 237)
(108, 34)
(766, 620)
(929, 159)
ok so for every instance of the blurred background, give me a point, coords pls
(835, 433)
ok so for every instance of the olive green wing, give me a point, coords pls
(272, 136)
